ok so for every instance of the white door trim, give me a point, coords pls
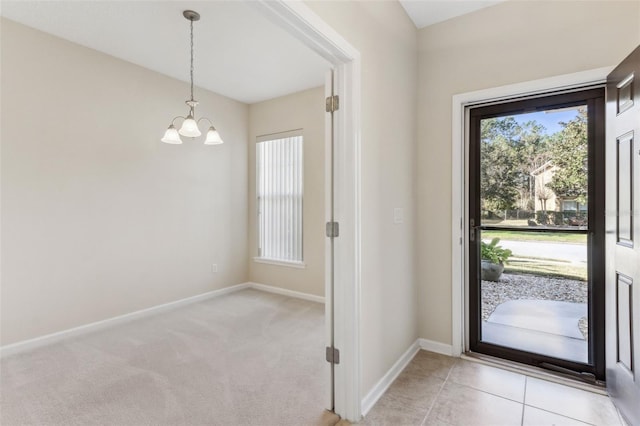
(305, 25)
(459, 184)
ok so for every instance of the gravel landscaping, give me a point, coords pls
(534, 287)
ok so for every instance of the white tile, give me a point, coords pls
(536, 417)
(489, 379)
(462, 405)
(578, 404)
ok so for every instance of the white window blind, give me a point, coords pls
(279, 174)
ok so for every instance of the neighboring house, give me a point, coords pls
(546, 199)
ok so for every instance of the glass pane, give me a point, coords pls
(538, 303)
(533, 169)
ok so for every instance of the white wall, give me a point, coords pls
(387, 41)
(509, 43)
(99, 218)
(303, 110)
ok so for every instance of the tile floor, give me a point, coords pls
(439, 390)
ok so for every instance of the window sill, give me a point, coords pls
(298, 265)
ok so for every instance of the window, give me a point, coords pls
(569, 206)
(279, 191)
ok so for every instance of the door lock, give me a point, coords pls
(472, 230)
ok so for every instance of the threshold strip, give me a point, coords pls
(537, 372)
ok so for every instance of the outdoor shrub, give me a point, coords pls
(542, 217)
(493, 252)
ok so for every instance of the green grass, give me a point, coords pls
(545, 267)
(536, 236)
(539, 266)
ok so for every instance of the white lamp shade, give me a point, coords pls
(171, 136)
(190, 128)
(213, 137)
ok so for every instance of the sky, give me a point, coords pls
(550, 120)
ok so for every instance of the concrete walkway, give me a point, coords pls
(545, 327)
(548, 316)
(535, 342)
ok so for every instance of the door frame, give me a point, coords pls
(593, 97)
(459, 179)
(302, 23)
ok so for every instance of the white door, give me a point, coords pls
(623, 237)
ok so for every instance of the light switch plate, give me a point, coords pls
(398, 215)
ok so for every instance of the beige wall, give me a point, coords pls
(386, 39)
(303, 110)
(512, 42)
(99, 218)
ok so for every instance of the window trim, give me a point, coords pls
(280, 135)
(278, 262)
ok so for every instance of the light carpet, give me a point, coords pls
(247, 358)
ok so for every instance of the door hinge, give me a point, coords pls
(333, 229)
(333, 103)
(333, 355)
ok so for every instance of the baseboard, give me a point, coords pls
(383, 384)
(285, 292)
(48, 339)
(437, 347)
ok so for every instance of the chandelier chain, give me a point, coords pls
(191, 70)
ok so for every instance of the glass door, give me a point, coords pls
(536, 220)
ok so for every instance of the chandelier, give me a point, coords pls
(189, 126)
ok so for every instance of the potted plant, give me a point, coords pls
(493, 259)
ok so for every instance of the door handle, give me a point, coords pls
(472, 230)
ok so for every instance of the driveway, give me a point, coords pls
(576, 253)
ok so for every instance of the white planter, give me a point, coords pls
(491, 271)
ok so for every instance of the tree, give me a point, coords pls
(497, 177)
(532, 152)
(569, 150)
(509, 153)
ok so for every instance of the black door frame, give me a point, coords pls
(594, 98)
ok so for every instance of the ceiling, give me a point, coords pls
(428, 12)
(238, 52)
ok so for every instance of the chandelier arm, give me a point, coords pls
(175, 118)
(205, 118)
